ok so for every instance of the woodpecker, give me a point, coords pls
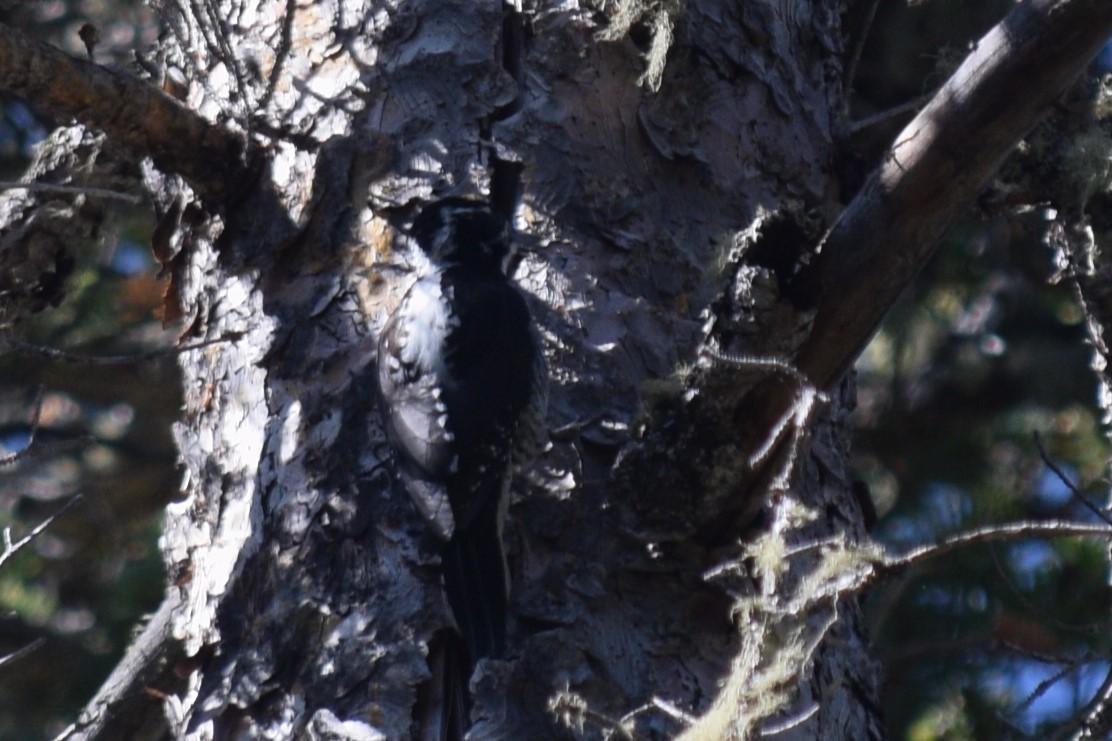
(463, 383)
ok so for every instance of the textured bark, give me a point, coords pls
(653, 581)
(310, 589)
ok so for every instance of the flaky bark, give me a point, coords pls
(662, 220)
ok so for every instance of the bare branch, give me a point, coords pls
(1069, 484)
(789, 724)
(1089, 629)
(1095, 720)
(573, 712)
(858, 48)
(671, 711)
(937, 166)
(43, 449)
(10, 548)
(894, 112)
(36, 415)
(71, 189)
(33, 449)
(931, 173)
(1044, 686)
(792, 425)
(769, 364)
(19, 653)
(134, 114)
(1007, 531)
(655, 704)
(126, 705)
(72, 357)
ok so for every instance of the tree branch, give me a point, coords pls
(932, 172)
(66, 356)
(135, 115)
(130, 702)
(19, 653)
(11, 548)
(72, 189)
(936, 167)
(1008, 531)
(1072, 487)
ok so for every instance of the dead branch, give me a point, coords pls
(19, 653)
(936, 167)
(66, 356)
(135, 115)
(932, 172)
(1007, 531)
(35, 449)
(72, 190)
(11, 548)
(128, 703)
(1072, 487)
(1095, 719)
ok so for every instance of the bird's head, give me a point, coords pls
(465, 232)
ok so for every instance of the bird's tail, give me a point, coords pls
(474, 569)
(443, 708)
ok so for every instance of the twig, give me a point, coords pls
(1069, 484)
(71, 189)
(1042, 687)
(796, 417)
(40, 450)
(10, 548)
(788, 724)
(757, 362)
(36, 413)
(1007, 531)
(858, 48)
(123, 704)
(19, 653)
(572, 710)
(137, 116)
(281, 55)
(906, 107)
(661, 705)
(1017, 594)
(31, 449)
(72, 357)
(1095, 714)
(672, 711)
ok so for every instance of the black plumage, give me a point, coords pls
(464, 389)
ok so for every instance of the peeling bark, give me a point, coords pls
(681, 550)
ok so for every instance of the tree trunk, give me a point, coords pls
(310, 591)
(682, 556)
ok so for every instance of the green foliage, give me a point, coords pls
(993, 641)
(982, 355)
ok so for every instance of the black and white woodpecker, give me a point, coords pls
(464, 387)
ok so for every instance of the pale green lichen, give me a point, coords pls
(659, 17)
